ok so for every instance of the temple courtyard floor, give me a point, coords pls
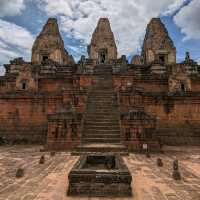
(49, 181)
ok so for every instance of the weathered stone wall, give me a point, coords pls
(177, 116)
(147, 85)
(55, 84)
(24, 116)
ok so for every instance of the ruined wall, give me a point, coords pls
(147, 85)
(24, 116)
(55, 84)
(177, 116)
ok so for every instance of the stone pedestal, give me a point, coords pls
(100, 175)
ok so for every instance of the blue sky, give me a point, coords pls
(22, 20)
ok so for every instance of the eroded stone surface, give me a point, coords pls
(49, 45)
(103, 41)
(49, 181)
(158, 45)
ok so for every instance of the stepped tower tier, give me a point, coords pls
(103, 47)
(49, 45)
(158, 46)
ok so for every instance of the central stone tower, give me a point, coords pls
(103, 47)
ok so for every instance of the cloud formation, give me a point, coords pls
(128, 18)
(15, 41)
(188, 19)
(11, 7)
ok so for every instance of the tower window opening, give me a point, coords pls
(44, 58)
(24, 85)
(102, 58)
(183, 87)
(161, 59)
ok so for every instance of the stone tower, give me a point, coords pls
(158, 46)
(49, 45)
(103, 47)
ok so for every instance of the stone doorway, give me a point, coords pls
(102, 56)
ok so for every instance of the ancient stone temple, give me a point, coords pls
(102, 103)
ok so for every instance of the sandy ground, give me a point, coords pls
(49, 181)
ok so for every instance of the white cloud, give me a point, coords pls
(128, 18)
(11, 7)
(188, 19)
(55, 7)
(2, 70)
(175, 6)
(15, 41)
(198, 61)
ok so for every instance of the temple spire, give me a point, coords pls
(49, 45)
(158, 46)
(103, 47)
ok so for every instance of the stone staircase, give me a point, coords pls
(101, 128)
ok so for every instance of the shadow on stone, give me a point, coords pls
(159, 162)
(176, 173)
(42, 159)
(19, 173)
(52, 153)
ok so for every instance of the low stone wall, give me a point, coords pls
(24, 134)
(179, 134)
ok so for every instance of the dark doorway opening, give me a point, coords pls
(161, 59)
(182, 87)
(23, 86)
(102, 56)
(44, 58)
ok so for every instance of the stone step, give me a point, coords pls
(101, 123)
(102, 148)
(101, 140)
(103, 126)
(98, 105)
(107, 100)
(86, 130)
(102, 94)
(102, 110)
(101, 114)
(95, 96)
(94, 128)
(104, 102)
(103, 119)
(101, 104)
(108, 88)
(98, 89)
(101, 136)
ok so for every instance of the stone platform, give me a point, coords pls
(100, 147)
(48, 181)
(100, 175)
